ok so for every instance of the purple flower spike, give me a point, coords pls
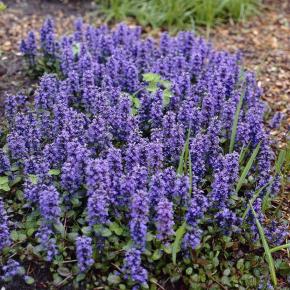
(84, 253)
(164, 219)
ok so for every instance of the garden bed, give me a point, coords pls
(273, 74)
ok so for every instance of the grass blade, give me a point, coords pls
(184, 155)
(177, 242)
(269, 257)
(248, 167)
(181, 162)
(280, 161)
(243, 154)
(190, 174)
(255, 196)
(278, 248)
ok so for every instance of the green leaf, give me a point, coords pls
(106, 233)
(60, 228)
(14, 236)
(33, 178)
(149, 237)
(30, 232)
(56, 279)
(16, 180)
(114, 279)
(76, 49)
(242, 154)
(241, 264)
(4, 187)
(269, 257)
(54, 172)
(86, 230)
(190, 173)
(166, 97)
(280, 161)
(80, 277)
(22, 237)
(248, 167)
(63, 271)
(72, 236)
(166, 84)
(235, 123)
(116, 228)
(157, 255)
(177, 242)
(151, 77)
(29, 280)
(135, 104)
(184, 155)
(4, 180)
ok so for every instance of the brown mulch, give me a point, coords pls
(265, 44)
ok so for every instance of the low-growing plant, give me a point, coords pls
(128, 170)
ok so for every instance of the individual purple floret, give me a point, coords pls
(133, 266)
(84, 253)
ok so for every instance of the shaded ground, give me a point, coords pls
(264, 42)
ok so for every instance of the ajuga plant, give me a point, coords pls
(138, 165)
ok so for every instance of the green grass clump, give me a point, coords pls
(177, 15)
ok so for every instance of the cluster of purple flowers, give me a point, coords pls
(84, 253)
(10, 269)
(124, 163)
(4, 228)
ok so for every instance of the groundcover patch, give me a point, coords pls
(138, 164)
